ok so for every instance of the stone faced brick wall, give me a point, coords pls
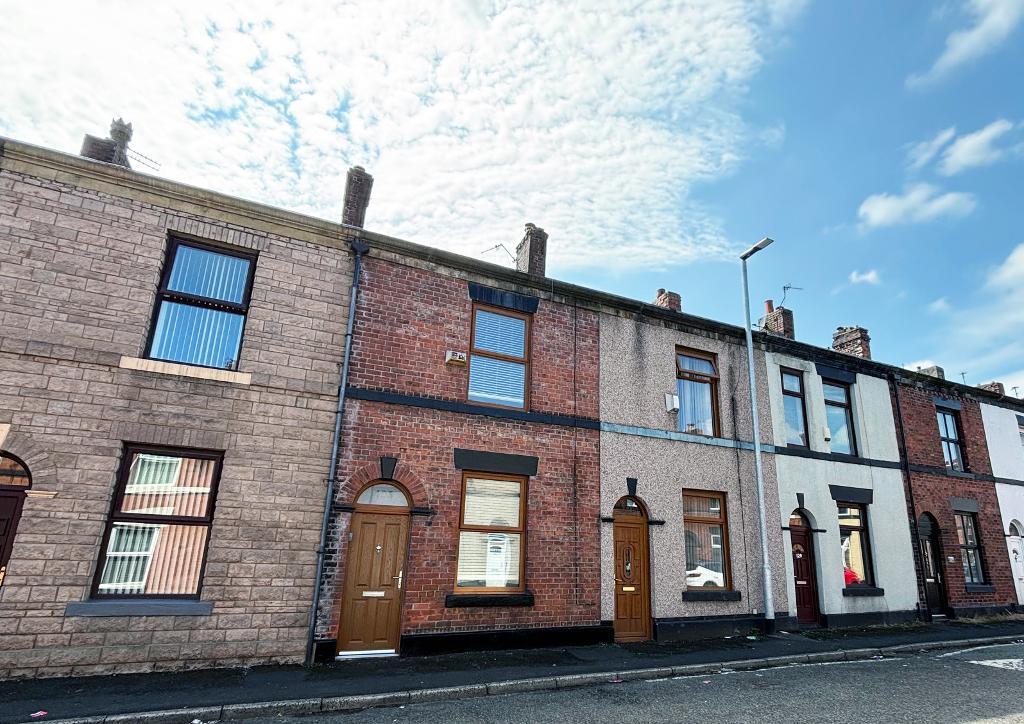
(932, 491)
(79, 268)
(407, 318)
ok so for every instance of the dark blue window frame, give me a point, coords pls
(165, 294)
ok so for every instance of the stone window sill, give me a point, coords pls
(488, 600)
(139, 607)
(980, 588)
(698, 594)
(856, 591)
(180, 370)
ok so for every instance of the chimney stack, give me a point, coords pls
(933, 371)
(669, 300)
(531, 254)
(996, 387)
(778, 321)
(357, 196)
(852, 340)
(109, 150)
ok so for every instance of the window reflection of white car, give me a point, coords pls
(701, 576)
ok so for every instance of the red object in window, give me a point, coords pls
(850, 575)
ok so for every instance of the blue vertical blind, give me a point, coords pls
(192, 325)
(493, 380)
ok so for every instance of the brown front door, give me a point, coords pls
(632, 577)
(804, 575)
(371, 612)
(10, 513)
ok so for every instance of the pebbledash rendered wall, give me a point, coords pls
(82, 245)
(640, 439)
(805, 484)
(405, 402)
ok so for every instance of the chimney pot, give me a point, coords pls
(357, 196)
(769, 306)
(852, 340)
(532, 252)
(669, 300)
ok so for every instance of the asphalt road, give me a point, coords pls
(980, 685)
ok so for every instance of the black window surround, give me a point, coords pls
(948, 404)
(502, 298)
(847, 407)
(165, 294)
(864, 496)
(491, 462)
(488, 600)
(951, 439)
(799, 395)
(828, 372)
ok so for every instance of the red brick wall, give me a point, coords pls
(932, 491)
(407, 319)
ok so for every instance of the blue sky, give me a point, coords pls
(881, 144)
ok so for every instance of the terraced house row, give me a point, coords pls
(232, 435)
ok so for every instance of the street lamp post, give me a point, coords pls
(766, 566)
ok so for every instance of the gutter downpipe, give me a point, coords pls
(359, 247)
(923, 612)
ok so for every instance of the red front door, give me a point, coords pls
(803, 575)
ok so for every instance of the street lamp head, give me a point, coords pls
(756, 248)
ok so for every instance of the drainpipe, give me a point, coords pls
(905, 465)
(359, 247)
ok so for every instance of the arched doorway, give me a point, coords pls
(805, 576)
(632, 571)
(15, 479)
(371, 609)
(931, 564)
(1015, 546)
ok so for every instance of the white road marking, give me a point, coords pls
(1011, 664)
(977, 648)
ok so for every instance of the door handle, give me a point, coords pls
(399, 579)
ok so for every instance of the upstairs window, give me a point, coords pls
(697, 384)
(949, 436)
(499, 359)
(970, 547)
(156, 537)
(839, 415)
(853, 537)
(794, 407)
(201, 305)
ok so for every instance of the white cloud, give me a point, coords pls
(868, 277)
(919, 154)
(921, 364)
(474, 118)
(975, 149)
(984, 337)
(992, 22)
(919, 203)
(939, 306)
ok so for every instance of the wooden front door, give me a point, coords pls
(632, 576)
(371, 613)
(10, 513)
(804, 575)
